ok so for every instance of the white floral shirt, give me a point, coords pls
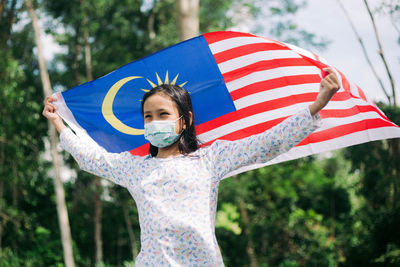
(177, 197)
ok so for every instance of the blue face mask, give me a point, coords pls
(161, 133)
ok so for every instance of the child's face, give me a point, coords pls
(160, 107)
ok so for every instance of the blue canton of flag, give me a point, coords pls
(190, 62)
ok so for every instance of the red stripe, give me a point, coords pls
(255, 129)
(380, 112)
(317, 63)
(141, 150)
(316, 56)
(341, 113)
(274, 83)
(213, 37)
(246, 50)
(361, 93)
(345, 82)
(264, 65)
(347, 87)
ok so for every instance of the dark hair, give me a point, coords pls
(187, 141)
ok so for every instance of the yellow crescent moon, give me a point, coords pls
(107, 108)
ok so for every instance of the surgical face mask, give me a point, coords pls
(161, 133)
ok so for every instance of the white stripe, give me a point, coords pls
(329, 145)
(68, 117)
(243, 61)
(353, 89)
(271, 74)
(333, 122)
(301, 51)
(345, 104)
(230, 43)
(65, 112)
(276, 93)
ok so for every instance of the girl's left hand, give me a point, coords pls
(328, 87)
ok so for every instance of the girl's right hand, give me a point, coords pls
(50, 112)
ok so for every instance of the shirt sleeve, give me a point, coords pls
(227, 156)
(95, 159)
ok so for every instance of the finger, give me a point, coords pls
(325, 84)
(329, 70)
(47, 110)
(332, 79)
(52, 105)
(49, 99)
(329, 79)
(51, 108)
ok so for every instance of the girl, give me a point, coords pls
(175, 187)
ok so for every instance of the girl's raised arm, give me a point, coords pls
(227, 156)
(91, 158)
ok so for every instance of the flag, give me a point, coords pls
(240, 84)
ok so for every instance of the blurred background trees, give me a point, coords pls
(338, 209)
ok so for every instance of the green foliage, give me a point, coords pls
(296, 211)
(284, 27)
(377, 219)
(227, 217)
(29, 226)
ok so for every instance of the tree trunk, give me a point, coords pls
(88, 55)
(59, 189)
(246, 228)
(97, 183)
(97, 220)
(16, 222)
(365, 51)
(8, 18)
(1, 220)
(378, 40)
(77, 51)
(394, 148)
(188, 18)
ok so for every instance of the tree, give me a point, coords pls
(61, 206)
(381, 53)
(364, 51)
(188, 18)
(377, 234)
(28, 224)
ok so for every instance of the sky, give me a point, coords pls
(326, 19)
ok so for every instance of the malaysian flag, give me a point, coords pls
(240, 85)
